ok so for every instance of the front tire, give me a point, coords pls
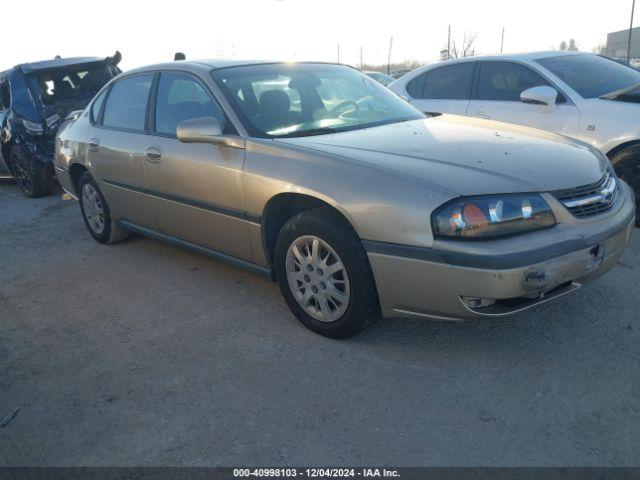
(96, 212)
(34, 178)
(626, 164)
(324, 274)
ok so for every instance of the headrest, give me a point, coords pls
(275, 101)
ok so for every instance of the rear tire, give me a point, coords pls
(331, 292)
(34, 178)
(626, 164)
(96, 213)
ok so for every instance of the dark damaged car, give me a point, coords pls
(35, 98)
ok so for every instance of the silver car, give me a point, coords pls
(355, 202)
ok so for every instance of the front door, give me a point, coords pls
(497, 97)
(195, 189)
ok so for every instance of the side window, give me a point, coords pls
(449, 83)
(505, 81)
(180, 98)
(97, 105)
(126, 105)
(414, 87)
(5, 96)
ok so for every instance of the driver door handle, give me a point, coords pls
(153, 155)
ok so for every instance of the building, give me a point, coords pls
(617, 44)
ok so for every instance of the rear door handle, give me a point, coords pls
(94, 144)
(153, 155)
(481, 114)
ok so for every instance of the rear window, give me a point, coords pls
(67, 83)
(451, 82)
(126, 106)
(97, 105)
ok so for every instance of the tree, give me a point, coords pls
(572, 46)
(467, 50)
(563, 46)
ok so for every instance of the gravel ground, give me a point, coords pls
(146, 354)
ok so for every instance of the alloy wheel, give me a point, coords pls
(22, 174)
(317, 278)
(92, 208)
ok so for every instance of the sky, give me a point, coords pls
(149, 32)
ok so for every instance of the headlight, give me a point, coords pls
(491, 216)
(32, 127)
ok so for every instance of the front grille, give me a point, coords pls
(590, 200)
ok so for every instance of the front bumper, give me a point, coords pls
(501, 277)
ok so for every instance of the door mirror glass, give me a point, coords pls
(206, 130)
(199, 130)
(542, 95)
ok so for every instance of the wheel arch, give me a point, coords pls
(618, 148)
(76, 170)
(283, 206)
(5, 149)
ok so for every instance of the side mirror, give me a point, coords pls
(542, 95)
(206, 130)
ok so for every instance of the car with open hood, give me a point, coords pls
(358, 204)
(34, 100)
(581, 95)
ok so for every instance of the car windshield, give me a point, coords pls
(380, 77)
(65, 83)
(591, 75)
(284, 100)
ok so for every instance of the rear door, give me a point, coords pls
(195, 189)
(117, 144)
(445, 89)
(496, 96)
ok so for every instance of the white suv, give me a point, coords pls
(580, 95)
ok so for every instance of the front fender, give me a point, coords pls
(380, 204)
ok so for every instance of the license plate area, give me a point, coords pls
(596, 256)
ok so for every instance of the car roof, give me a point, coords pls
(56, 63)
(515, 56)
(214, 64)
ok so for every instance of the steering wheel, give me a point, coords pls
(336, 111)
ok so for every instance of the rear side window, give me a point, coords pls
(414, 87)
(97, 105)
(448, 83)
(181, 97)
(126, 105)
(505, 81)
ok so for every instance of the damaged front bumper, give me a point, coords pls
(465, 280)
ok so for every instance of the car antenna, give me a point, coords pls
(179, 56)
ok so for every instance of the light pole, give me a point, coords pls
(633, 7)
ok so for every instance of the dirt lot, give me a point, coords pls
(146, 354)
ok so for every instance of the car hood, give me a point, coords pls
(468, 156)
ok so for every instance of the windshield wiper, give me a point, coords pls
(308, 133)
(622, 91)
